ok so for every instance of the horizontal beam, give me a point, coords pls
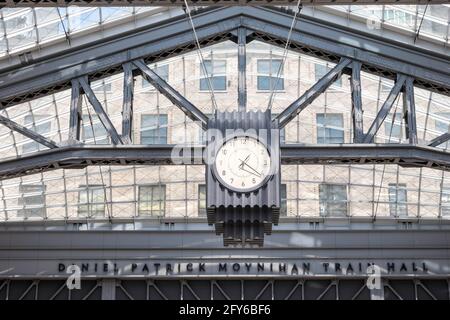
(19, 83)
(27, 132)
(174, 3)
(76, 157)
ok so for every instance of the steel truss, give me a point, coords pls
(213, 289)
(352, 52)
(172, 3)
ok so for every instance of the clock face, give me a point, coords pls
(242, 163)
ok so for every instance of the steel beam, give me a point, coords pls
(357, 112)
(173, 3)
(379, 56)
(106, 57)
(127, 109)
(440, 140)
(173, 95)
(19, 83)
(27, 132)
(242, 66)
(409, 111)
(101, 113)
(76, 157)
(385, 109)
(75, 113)
(311, 94)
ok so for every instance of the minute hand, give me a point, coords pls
(246, 164)
(256, 175)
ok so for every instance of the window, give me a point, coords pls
(152, 200)
(443, 126)
(321, 70)
(101, 86)
(32, 200)
(38, 125)
(202, 200)
(162, 71)
(393, 130)
(330, 128)
(398, 200)
(386, 87)
(445, 201)
(154, 129)
(267, 74)
(93, 130)
(333, 200)
(217, 73)
(399, 17)
(283, 200)
(91, 201)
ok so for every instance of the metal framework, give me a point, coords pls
(351, 50)
(172, 3)
(210, 289)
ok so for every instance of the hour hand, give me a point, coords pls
(243, 163)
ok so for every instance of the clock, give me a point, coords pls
(242, 163)
(243, 176)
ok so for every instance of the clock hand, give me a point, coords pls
(242, 168)
(244, 163)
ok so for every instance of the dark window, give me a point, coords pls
(32, 200)
(217, 74)
(330, 128)
(162, 71)
(267, 74)
(38, 125)
(152, 200)
(398, 200)
(445, 201)
(91, 201)
(333, 200)
(202, 200)
(283, 200)
(93, 130)
(321, 70)
(154, 129)
(393, 127)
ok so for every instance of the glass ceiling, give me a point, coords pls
(22, 29)
(314, 191)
